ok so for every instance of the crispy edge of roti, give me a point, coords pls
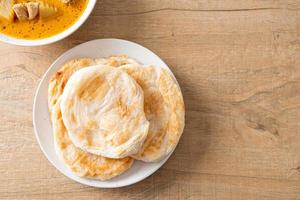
(79, 162)
(116, 61)
(165, 140)
(58, 81)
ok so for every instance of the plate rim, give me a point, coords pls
(38, 90)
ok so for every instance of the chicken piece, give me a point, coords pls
(46, 10)
(6, 10)
(21, 11)
(32, 9)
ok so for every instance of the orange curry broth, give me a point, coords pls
(37, 28)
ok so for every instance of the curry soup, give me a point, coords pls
(43, 28)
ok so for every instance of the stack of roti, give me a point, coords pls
(108, 112)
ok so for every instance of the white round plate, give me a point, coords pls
(41, 120)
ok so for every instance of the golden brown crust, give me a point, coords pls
(58, 81)
(80, 162)
(116, 61)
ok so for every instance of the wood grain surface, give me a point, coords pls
(238, 63)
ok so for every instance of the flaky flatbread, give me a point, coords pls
(103, 111)
(164, 108)
(79, 162)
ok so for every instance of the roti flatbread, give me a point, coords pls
(164, 108)
(79, 162)
(103, 111)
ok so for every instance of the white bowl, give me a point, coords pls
(54, 38)
(41, 120)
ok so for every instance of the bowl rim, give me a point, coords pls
(49, 40)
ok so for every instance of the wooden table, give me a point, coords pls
(238, 63)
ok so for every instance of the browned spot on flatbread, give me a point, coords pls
(56, 76)
(58, 115)
(69, 104)
(82, 135)
(122, 107)
(153, 103)
(141, 83)
(155, 144)
(64, 145)
(117, 61)
(113, 80)
(73, 118)
(113, 63)
(122, 138)
(92, 125)
(96, 87)
(86, 133)
(63, 84)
